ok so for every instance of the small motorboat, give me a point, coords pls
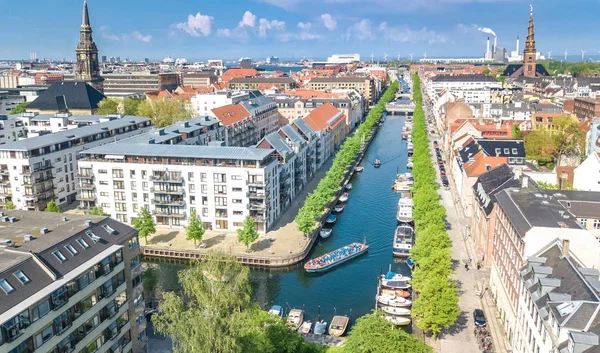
(295, 318)
(338, 326)
(306, 327)
(325, 232)
(400, 293)
(276, 310)
(320, 327)
(359, 169)
(404, 136)
(398, 320)
(377, 163)
(404, 237)
(392, 310)
(393, 301)
(348, 186)
(331, 219)
(339, 208)
(410, 263)
(344, 197)
(409, 165)
(396, 283)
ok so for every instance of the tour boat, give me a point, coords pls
(336, 257)
(295, 318)
(348, 186)
(398, 320)
(344, 197)
(404, 238)
(276, 310)
(401, 293)
(306, 327)
(359, 169)
(392, 310)
(325, 232)
(331, 219)
(392, 300)
(339, 208)
(338, 326)
(320, 327)
(404, 213)
(377, 163)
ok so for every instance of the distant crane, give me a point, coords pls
(583, 54)
(411, 56)
(550, 54)
(372, 57)
(385, 57)
(566, 53)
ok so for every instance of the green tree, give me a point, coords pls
(373, 334)
(108, 106)
(437, 305)
(20, 108)
(97, 211)
(52, 207)
(130, 106)
(9, 205)
(145, 225)
(150, 281)
(305, 222)
(516, 131)
(195, 229)
(164, 112)
(486, 71)
(247, 234)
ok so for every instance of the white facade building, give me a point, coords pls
(203, 104)
(452, 83)
(343, 58)
(587, 175)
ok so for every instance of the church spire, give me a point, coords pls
(87, 53)
(85, 17)
(529, 54)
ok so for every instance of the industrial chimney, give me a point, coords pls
(517, 44)
(487, 50)
(495, 43)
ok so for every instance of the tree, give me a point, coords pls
(373, 334)
(9, 205)
(108, 106)
(486, 71)
(97, 211)
(130, 106)
(247, 234)
(195, 229)
(150, 281)
(20, 108)
(145, 225)
(305, 222)
(164, 112)
(52, 207)
(437, 305)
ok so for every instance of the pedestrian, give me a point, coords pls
(478, 265)
(466, 266)
(470, 259)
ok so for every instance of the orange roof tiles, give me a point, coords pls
(238, 72)
(231, 114)
(310, 93)
(319, 117)
(480, 162)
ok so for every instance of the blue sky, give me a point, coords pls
(226, 29)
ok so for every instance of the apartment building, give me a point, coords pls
(200, 131)
(585, 108)
(202, 80)
(467, 82)
(365, 85)
(11, 129)
(248, 83)
(587, 174)
(36, 170)
(526, 220)
(203, 104)
(559, 303)
(328, 120)
(136, 83)
(70, 284)
(224, 185)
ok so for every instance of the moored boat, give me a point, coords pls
(398, 320)
(392, 300)
(320, 327)
(392, 310)
(336, 257)
(306, 327)
(338, 326)
(331, 219)
(404, 213)
(410, 263)
(404, 238)
(276, 310)
(295, 318)
(395, 283)
(409, 165)
(344, 197)
(348, 186)
(401, 293)
(339, 208)
(325, 232)
(359, 169)
(377, 163)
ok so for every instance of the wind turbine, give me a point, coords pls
(566, 53)
(372, 56)
(550, 54)
(385, 57)
(583, 54)
(411, 56)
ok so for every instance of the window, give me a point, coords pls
(104, 193)
(203, 188)
(192, 187)
(507, 151)
(204, 212)
(6, 287)
(514, 151)
(203, 177)
(221, 189)
(236, 189)
(238, 224)
(21, 277)
(236, 201)
(583, 222)
(191, 176)
(236, 177)
(41, 310)
(219, 177)
(238, 213)
(220, 201)
(70, 248)
(102, 171)
(44, 336)
(59, 256)
(596, 224)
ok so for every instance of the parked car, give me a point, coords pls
(445, 182)
(479, 318)
(440, 162)
(435, 144)
(442, 173)
(439, 158)
(432, 131)
(442, 168)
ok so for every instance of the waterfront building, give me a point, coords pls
(37, 170)
(343, 59)
(364, 84)
(526, 220)
(331, 123)
(87, 69)
(70, 283)
(559, 305)
(224, 185)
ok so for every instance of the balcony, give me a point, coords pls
(85, 175)
(256, 206)
(40, 168)
(173, 179)
(167, 213)
(84, 197)
(87, 186)
(255, 182)
(169, 191)
(4, 170)
(256, 195)
(169, 202)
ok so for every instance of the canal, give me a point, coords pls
(370, 215)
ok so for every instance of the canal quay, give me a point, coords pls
(369, 215)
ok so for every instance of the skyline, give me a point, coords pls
(295, 28)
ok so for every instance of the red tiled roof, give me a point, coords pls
(310, 93)
(231, 114)
(480, 163)
(318, 117)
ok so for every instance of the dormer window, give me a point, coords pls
(6, 287)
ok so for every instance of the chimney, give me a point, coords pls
(487, 50)
(495, 42)
(565, 247)
(525, 182)
(517, 45)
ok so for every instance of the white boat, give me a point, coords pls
(392, 300)
(410, 145)
(339, 208)
(348, 186)
(392, 310)
(404, 238)
(306, 327)
(295, 318)
(397, 320)
(325, 232)
(359, 169)
(409, 165)
(404, 212)
(344, 197)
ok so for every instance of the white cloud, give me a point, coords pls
(304, 25)
(328, 21)
(110, 36)
(224, 32)
(265, 25)
(196, 25)
(403, 35)
(248, 20)
(143, 38)
(360, 30)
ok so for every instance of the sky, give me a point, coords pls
(228, 29)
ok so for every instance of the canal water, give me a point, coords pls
(370, 215)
